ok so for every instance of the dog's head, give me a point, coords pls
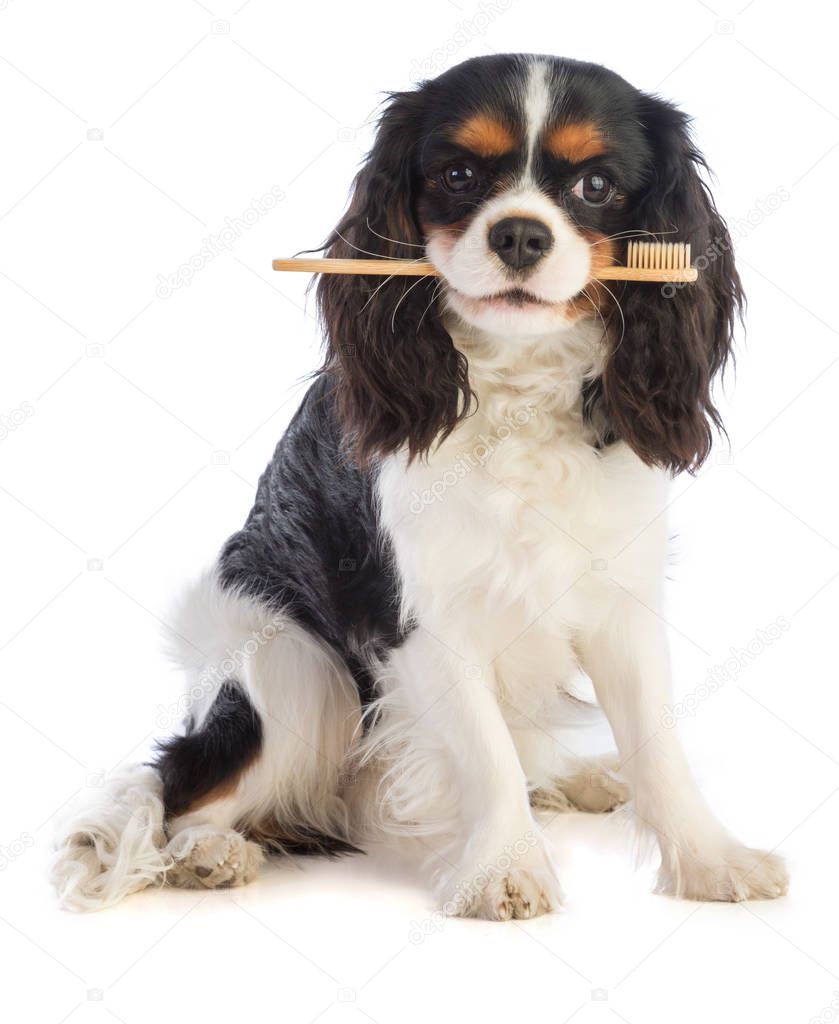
(521, 177)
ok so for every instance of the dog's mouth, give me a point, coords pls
(518, 297)
(510, 298)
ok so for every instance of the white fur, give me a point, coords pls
(538, 98)
(112, 842)
(526, 555)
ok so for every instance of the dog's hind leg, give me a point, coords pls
(201, 772)
(273, 715)
(265, 766)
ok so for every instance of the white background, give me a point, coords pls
(115, 398)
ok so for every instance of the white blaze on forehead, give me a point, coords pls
(537, 105)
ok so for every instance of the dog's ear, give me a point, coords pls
(399, 381)
(673, 340)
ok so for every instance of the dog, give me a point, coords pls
(464, 516)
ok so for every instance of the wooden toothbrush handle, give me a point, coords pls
(413, 268)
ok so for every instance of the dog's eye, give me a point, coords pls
(460, 178)
(594, 189)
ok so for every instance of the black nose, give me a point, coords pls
(520, 241)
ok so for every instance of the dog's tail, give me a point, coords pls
(112, 842)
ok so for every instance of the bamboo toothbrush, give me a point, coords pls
(645, 261)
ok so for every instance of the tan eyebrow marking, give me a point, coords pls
(575, 141)
(485, 135)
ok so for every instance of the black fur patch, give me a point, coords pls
(193, 765)
(312, 546)
(299, 839)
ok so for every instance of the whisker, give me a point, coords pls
(435, 292)
(390, 277)
(376, 290)
(597, 311)
(401, 298)
(632, 233)
(367, 252)
(623, 318)
(396, 241)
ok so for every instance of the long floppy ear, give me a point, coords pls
(656, 386)
(398, 379)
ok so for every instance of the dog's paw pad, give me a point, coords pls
(212, 859)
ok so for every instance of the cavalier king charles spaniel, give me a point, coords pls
(464, 518)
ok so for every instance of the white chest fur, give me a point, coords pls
(513, 534)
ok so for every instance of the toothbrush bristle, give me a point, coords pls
(658, 255)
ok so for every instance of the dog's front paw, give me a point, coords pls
(735, 874)
(518, 883)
